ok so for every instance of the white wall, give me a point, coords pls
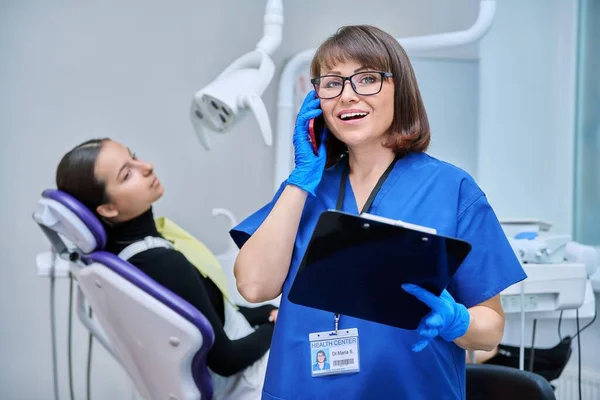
(74, 70)
(527, 108)
(527, 131)
(450, 90)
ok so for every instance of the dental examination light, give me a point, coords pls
(223, 102)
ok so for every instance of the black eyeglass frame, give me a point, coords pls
(383, 74)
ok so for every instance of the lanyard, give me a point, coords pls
(366, 207)
(371, 199)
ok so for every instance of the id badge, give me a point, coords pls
(332, 353)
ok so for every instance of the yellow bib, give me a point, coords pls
(196, 253)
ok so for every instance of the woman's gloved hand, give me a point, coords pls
(309, 167)
(447, 318)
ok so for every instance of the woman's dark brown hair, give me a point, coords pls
(373, 48)
(75, 174)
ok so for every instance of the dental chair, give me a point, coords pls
(495, 382)
(160, 339)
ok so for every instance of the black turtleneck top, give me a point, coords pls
(171, 269)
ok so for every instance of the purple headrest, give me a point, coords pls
(82, 212)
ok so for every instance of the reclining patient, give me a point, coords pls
(120, 189)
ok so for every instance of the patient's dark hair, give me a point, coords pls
(75, 174)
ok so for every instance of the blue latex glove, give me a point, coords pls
(447, 318)
(309, 167)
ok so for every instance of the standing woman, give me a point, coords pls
(373, 160)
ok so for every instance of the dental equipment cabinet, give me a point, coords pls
(559, 278)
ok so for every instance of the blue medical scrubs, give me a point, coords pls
(422, 190)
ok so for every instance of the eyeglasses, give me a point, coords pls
(365, 83)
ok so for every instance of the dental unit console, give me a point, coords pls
(557, 270)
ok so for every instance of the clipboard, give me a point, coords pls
(355, 265)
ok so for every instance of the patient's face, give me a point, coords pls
(131, 184)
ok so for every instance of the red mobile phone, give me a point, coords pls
(315, 129)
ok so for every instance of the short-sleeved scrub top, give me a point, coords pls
(422, 190)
